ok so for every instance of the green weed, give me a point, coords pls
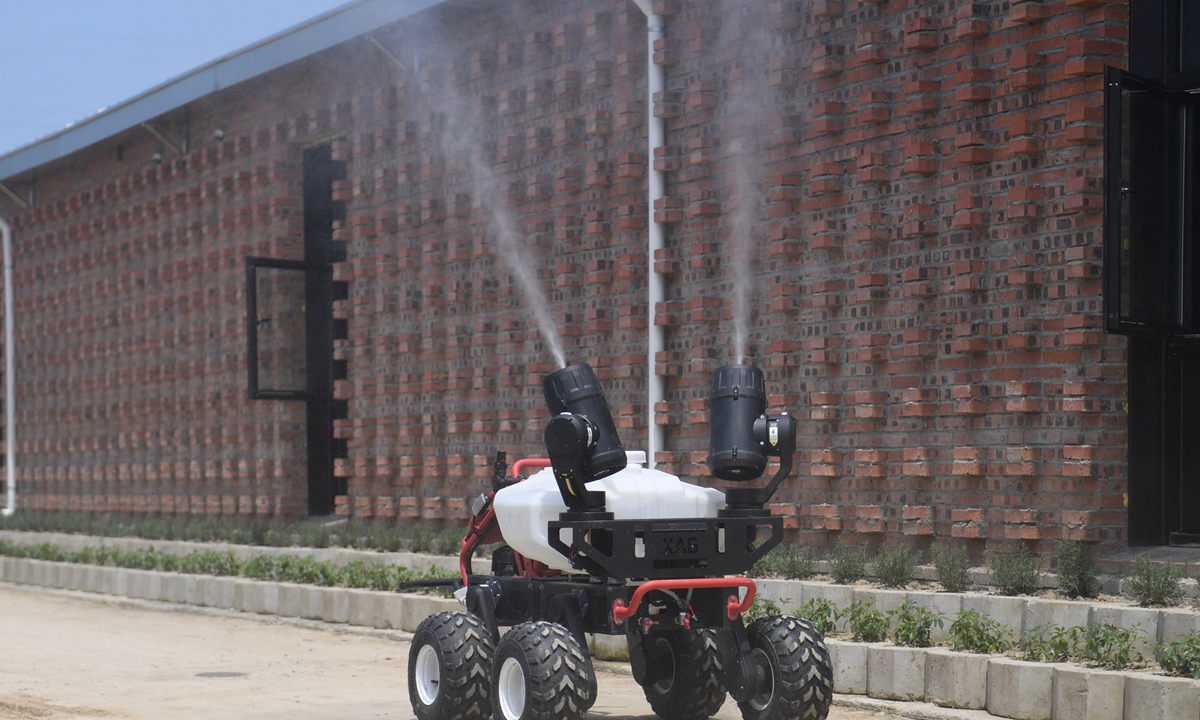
(895, 567)
(953, 566)
(1155, 585)
(914, 624)
(977, 633)
(846, 566)
(1014, 572)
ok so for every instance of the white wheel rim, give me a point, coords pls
(761, 700)
(429, 674)
(511, 689)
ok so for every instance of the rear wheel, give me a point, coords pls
(449, 666)
(541, 673)
(798, 675)
(687, 683)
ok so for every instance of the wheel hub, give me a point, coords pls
(763, 681)
(428, 674)
(511, 689)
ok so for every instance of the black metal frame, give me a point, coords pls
(252, 322)
(1163, 240)
(1164, 364)
(667, 548)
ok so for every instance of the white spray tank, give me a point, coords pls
(635, 493)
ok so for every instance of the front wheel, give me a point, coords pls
(541, 673)
(798, 675)
(449, 664)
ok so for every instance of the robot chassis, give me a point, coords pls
(670, 585)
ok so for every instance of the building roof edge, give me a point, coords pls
(312, 36)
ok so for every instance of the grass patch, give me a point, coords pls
(352, 534)
(277, 568)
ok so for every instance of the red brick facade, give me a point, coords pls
(927, 297)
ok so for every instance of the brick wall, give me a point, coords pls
(919, 180)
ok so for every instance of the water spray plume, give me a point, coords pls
(741, 254)
(512, 251)
(461, 139)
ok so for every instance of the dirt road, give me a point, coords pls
(67, 655)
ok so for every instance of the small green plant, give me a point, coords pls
(1014, 572)
(846, 566)
(1043, 644)
(953, 567)
(788, 561)
(895, 567)
(866, 622)
(1182, 657)
(977, 633)
(914, 624)
(822, 613)
(1106, 645)
(1154, 585)
(1077, 571)
(762, 607)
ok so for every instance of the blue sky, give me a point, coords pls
(62, 60)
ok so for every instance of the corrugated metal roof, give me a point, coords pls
(320, 33)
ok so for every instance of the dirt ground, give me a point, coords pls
(69, 655)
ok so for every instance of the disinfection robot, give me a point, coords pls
(595, 542)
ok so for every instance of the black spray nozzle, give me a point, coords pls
(576, 390)
(742, 436)
(737, 401)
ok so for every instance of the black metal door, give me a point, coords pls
(290, 329)
(1152, 294)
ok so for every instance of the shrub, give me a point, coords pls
(1077, 571)
(822, 613)
(846, 566)
(866, 622)
(1106, 645)
(1048, 645)
(895, 567)
(1182, 657)
(1014, 572)
(914, 624)
(762, 607)
(1154, 585)
(953, 567)
(787, 561)
(977, 633)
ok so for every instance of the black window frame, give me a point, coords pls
(252, 388)
(1178, 242)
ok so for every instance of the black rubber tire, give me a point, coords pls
(696, 688)
(457, 687)
(555, 674)
(794, 652)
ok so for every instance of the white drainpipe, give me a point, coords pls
(655, 387)
(10, 404)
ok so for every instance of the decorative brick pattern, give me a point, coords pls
(927, 283)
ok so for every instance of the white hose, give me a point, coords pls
(10, 413)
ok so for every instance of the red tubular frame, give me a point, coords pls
(479, 525)
(621, 612)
